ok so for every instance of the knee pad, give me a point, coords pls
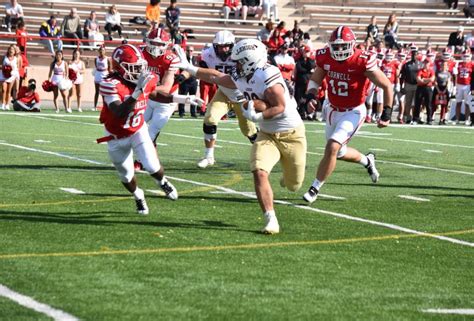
(210, 132)
(342, 151)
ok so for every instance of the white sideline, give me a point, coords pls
(32, 304)
(251, 195)
(450, 311)
(413, 198)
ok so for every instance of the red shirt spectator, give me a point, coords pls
(233, 4)
(275, 42)
(424, 75)
(27, 96)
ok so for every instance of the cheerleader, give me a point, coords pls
(9, 75)
(103, 66)
(58, 70)
(76, 71)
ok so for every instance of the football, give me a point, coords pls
(259, 105)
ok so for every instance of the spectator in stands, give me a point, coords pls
(274, 42)
(71, 26)
(264, 34)
(281, 27)
(9, 75)
(231, 6)
(390, 32)
(372, 32)
(13, 14)
(252, 7)
(285, 63)
(92, 31)
(270, 9)
(297, 32)
(469, 42)
(58, 70)
(307, 41)
(152, 12)
(188, 84)
(28, 99)
(468, 9)
(21, 41)
(51, 29)
(76, 71)
(456, 40)
(424, 92)
(179, 38)
(452, 4)
(303, 70)
(113, 22)
(172, 16)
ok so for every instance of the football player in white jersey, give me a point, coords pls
(282, 133)
(217, 57)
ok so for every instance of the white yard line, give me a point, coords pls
(433, 151)
(378, 149)
(416, 141)
(426, 167)
(71, 190)
(42, 141)
(251, 195)
(32, 304)
(450, 311)
(331, 197)
(413, 198)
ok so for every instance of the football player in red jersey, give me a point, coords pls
(125, 94)
(347, 70)
(400, 95)
(390, 67)
(463, 84)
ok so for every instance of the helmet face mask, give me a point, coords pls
(342, 43)
(223, 44)
(223, 51)
(157, 42)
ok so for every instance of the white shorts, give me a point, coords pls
(341, 126)
(121, 154)
(463, 92)
(369, 100)
(157, 115)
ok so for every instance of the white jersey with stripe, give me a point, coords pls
(255, 87)
(209, 56)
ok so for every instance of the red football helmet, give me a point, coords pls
(342, 43)
(47, 86)
(157, 41)
(72, 74)
(128, 62)
(447, 53)
(389, 55)
(466, 55)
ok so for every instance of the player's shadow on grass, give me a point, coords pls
(100, 220)
(434, 187)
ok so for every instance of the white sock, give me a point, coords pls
(317, 184)
(139, 194)
(364, 161)
(210, 152)
(270, 213)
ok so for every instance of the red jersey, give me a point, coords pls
(322, 89)
(424, 74)
(451, 65)
(116, 89)
(161, 64)
(464, 73)
(390, 68)
(28, 97)
(346, 80)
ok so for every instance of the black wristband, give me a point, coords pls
(386, 114)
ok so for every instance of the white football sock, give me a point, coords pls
(317, 184)
(210, 152)
(364, 161)
(139, 194)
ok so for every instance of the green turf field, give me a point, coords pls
(361, 253)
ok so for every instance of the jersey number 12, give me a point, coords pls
(342, 88)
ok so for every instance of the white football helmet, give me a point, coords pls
(223, 43)
(249, 54)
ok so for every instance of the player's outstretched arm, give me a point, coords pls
(380, 80)
(209, 75)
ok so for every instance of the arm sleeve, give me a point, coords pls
(109, 92)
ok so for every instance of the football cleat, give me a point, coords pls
(205, 162)
(142, 207)
(169, 190)
(137, 166)
(371, 169)
(271, 224)
(311, 195)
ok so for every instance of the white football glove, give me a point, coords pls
(143, 79)
(188, 99)
(184, 64)
(250, 112)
